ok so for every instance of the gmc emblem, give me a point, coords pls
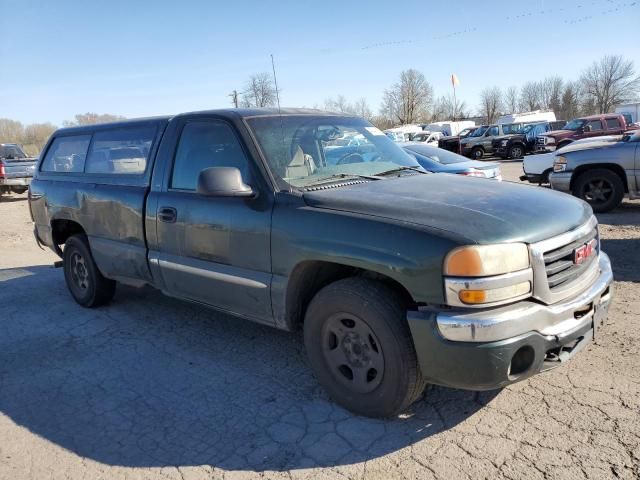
(583, 252)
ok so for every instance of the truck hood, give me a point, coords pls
(475, 209)
(597, 142)
(558, 133)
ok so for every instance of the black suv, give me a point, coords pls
(518, 144)
(452, 143)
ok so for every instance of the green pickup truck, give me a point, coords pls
(398, 277)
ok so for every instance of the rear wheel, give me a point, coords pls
(360, 347)
(516, 151)
(600, 188)
(86, 284)
(19, 190)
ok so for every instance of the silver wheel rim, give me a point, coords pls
(79, 272)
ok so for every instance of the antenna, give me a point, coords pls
(284, 146)
(275, 81)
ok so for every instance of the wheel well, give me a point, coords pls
(61, 230)
(617, 169)
(309, 277)
(478, 147)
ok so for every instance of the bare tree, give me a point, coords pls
(361, 109)
(409, 100)
(569, 102)
(610, 81)
(530, 97)
(491, 103)
(259, 91)
(511, 99)
(90, 118)
(444, 108)
(338, 104)
(11, 131)
(36, 135)
(550, 93)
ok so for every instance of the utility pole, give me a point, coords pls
(234, 98)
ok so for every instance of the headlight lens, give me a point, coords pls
(504, 143)
(549, 140)
(559, 164)
(486, 260)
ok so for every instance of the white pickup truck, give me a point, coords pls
(537, 168)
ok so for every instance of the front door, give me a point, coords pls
(214, 250)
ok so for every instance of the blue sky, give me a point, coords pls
(138, 58)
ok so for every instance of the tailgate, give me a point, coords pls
(19, 168)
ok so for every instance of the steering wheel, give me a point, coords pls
(350, 158)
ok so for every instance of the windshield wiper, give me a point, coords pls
(401, 169)
(338, 176)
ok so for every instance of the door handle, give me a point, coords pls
(167, 214)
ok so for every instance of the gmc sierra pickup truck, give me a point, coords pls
(585, 127)
(397, 277)
(16, 169)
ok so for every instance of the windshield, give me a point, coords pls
(480, 131)
(439, 155)
(11, 151)
(301, 150)
(465, 132)
(575, 124)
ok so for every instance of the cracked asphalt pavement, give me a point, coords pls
(152, 387)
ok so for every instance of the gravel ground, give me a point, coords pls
(151, 387)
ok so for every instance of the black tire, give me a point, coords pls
(601, 188)
(477, 153)
(545, 176)
(374, 345)
(19, 190)
(85, 282)
(516, 151)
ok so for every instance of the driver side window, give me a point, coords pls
(205, 144)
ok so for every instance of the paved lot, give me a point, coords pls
(150, 387)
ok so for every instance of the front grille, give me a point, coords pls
(559, 262)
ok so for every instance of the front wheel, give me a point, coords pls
(600, 188)
(477, 153)
(516, 151)
(360, 347)
(86, 284)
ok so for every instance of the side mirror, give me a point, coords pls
(223, 182)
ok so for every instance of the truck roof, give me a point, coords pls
(599, 116)
(225, 112)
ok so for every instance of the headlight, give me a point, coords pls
(485, 260)
(504, 143)
(549, 140)
(487, 275)
(560, 164)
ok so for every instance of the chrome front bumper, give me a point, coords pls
(558, 320)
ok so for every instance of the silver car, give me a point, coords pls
(479, 142)
(600, 172)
